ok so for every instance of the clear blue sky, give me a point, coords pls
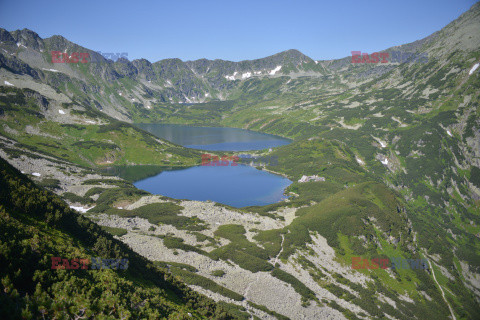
(232, 30)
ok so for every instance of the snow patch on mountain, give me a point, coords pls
(52, 70)
(382, 143)
(246, 75)
(8, 83)
(232, 77)
(473, 68)
(80, 209)
(275, 70)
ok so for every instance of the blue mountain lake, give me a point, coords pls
(214, 138)
(237, 186)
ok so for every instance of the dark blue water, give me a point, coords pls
(214, 138)
(237, 186)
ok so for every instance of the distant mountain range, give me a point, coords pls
(164, 81)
